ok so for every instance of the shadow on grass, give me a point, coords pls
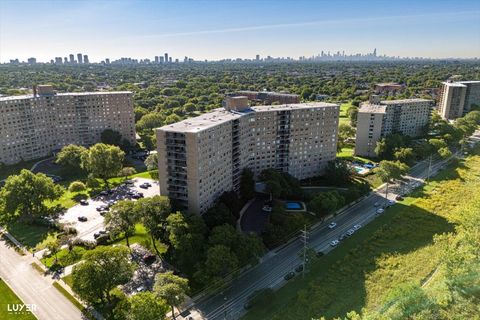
(29, 234)
(336, 283)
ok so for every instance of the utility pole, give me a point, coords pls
(304, 237)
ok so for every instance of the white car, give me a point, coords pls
(376, 204)
(391, 202)
(267, 208)
(332, 225)
(357, 226)
(380, 211)
(334, 243)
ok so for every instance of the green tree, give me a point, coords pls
(111, 137)
(153, 213)
(171, 288)
(127, 171)
(352, 113)
(345, 132)
(142, 306)
(151, 162)
(122, 218)
(77, 186)
(24, 195)
(444, 152)
(71, 156)
(390, 170)
(53, 247)
(219, 215)
(220, 262)
(103, 161)
(102, 269)
(326, 203)
(405, 155)
(247, 184)
(338, 172)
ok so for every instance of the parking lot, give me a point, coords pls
(94, 219)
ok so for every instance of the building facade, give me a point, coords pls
(457, 98)
(33, 126)
(202, 157)
(375, 121)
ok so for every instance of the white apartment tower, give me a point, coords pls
(202, 157)
(33, 126)
(457, 98)
(375, 121)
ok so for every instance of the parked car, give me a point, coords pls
(380, 211)
(391, 202)
(376, 204)
(320, 254)
(357, 226)
(399, 198)
(299, 268)
(82, 219)
(103, 193)
(84, 202)
(137, 195)
(332, 225)
(342, 236)
(128, 182)
(350, 232)
(333, 243)
(267, 208)
(289, 275)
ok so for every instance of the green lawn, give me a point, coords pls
(65, 257)
(394, 249)
(7, 296)
(30, 235)
(343, 113)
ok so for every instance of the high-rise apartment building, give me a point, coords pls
(375, 121)
(33, 126)
(202, 157)
(79, 58)
(457, 98)
(72, 58)
(32, 60)
(85, 59)
(166, 57)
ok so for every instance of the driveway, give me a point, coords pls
(33, 288)
(254, 219)
(94, 223)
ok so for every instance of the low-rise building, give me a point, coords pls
(375, 121)
(202, 157)
(33, 126)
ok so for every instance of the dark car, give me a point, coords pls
(320, 254)
(128, 182)
(149, 258)
(289, 275)
(299, 268)
(343, 236)
(82, 219)
(84, 202)
(137, 195)
(399, 198)
(103, 193)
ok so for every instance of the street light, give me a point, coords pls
(225, 308)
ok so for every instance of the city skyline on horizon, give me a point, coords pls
(215, 30)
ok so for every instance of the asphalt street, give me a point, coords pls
(270, 272)
(33, 288)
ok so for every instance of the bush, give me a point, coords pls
(77, 186)
(92, 183)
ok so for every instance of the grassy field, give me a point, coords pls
(7, 296)
(343, 113)
(30, 235)
(394, 249)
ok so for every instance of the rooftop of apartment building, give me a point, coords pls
(221, 115)
(459, 83)
(372, 108)
(266, 92)
(400, 101)
(30, 96)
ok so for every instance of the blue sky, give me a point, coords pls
(220, 29)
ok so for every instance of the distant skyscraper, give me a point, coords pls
(375, 52)
(85, 58)
(32, 60)
(161, 59)
(257, 57)
(79, 58)
(166, 57)
(107, 61)
(170, 59)
(72, 58)
(156, 59)
(65, 60)
(58, 60)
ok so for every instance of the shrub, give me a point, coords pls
(77, 186)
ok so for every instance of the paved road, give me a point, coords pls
(33, 288)
(273, 267)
